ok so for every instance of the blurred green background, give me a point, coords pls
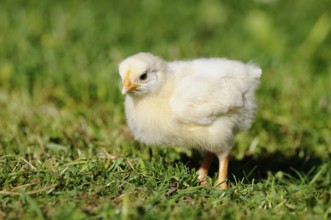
(65, 53)
(59, 87)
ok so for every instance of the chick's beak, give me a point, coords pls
(128, 86)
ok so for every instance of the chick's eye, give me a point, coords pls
(143, 76)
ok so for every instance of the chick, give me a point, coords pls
(201, 103)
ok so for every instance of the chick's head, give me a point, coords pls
(141, 74)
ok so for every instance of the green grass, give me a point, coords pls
(65, 152)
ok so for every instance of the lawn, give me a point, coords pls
(65, 150)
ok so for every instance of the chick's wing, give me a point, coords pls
(200, 99)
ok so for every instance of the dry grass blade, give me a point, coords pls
(21, 158)
(44, 189)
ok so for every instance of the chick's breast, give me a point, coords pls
(150, 120)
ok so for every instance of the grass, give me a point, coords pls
(65, 152)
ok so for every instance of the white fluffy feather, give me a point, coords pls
(201, 103)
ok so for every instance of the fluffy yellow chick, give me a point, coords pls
(200, 103)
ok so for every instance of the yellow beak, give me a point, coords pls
(127, 85)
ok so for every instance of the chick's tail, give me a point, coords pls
(254, 70)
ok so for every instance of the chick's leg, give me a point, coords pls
(203, 170)
(222, 170)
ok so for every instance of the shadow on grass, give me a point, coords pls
(257, 167)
